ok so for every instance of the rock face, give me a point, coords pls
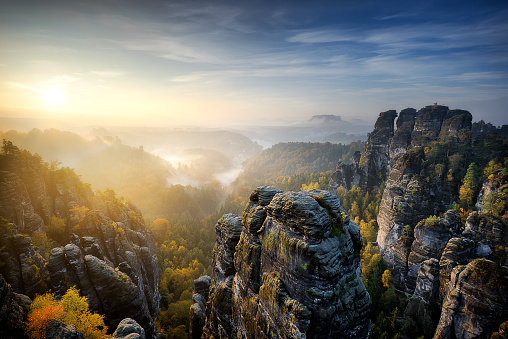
(129, 290)
(427, 283)
(13, 312)
(372, 167)
(476, 302)
(296, 270)
(25, 269)
(391, 157)
(101, 245)
(431, 236)
(58, 330)
(408, 198)
(129, 328)
(402, 137)
(218, 308)
(384, 145)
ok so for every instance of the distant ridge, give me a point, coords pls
(326, 118)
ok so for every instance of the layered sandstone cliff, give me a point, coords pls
(296, 271)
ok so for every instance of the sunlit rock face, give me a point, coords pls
(106, 251)
(115, 270)
(297, 271)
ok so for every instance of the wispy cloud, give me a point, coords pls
(474, 76)
(22, 86)
(323, 36)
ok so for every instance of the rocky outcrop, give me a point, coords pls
(476, 302)
(458, 251)
(197, 315)
(56, 329)
(373, 165)
(428, 123)
(129, 329)
(24, 268)
(375, 161)
(218, 307)
(402, 136)
(101, 244)
(129, 290)
(297, 271)
(456, 120)
(13, 311)
(384, 146)
(431, 236)
(427, 282)
(406, 200)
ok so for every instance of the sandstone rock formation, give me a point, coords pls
(476, 302)
(13, 311)
(296, 270)
(374, 163)
(426, 253)
(129, 329)
(58, 330)
(102, 248)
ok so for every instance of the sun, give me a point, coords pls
(55, 96)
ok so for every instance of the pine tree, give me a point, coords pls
(469, 186)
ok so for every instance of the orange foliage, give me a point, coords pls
(72, 309)
(39, 319)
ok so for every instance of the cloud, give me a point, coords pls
(475, 76)
(22, 86)
(322, 36)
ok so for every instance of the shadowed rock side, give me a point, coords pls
(372, 167)
(296, 271)
(476, 302)
(56, 329)
(13, 311)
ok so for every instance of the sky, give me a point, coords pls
(213, 63)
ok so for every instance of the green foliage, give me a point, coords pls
(337, 223)
(469, 189)
(496, 202)
(385, 327)
(9, 149)
(368, 231)
(173, 320)
(42, 244)
(184, 249)
(287, 159)
(56, 229)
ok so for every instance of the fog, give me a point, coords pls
(194, 156)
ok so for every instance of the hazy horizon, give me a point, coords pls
(222, 63)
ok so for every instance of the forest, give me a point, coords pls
(181, 219)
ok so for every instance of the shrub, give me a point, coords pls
(71, 309)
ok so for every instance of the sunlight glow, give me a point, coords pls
(55, 96)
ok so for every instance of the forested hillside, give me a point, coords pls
(285, 159)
